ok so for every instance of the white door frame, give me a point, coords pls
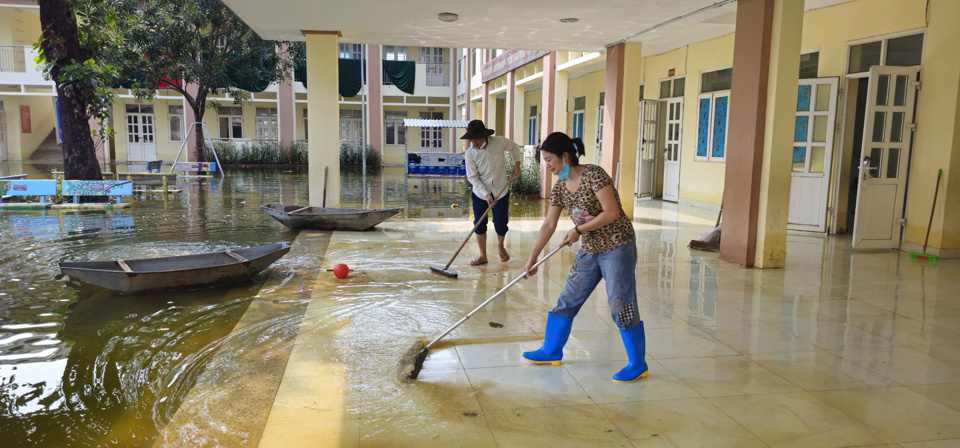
(673, 144)
(801, 182)
(430, 134)
(873, 228)
(598, 153)
(144, 133)
(647, 175)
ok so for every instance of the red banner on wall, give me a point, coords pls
(25, 126)
(509, 60)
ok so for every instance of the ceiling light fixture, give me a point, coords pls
(447, 17)
(570, 20)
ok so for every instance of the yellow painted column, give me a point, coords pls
(560, 89)
(520, 114)
(547, 110)
(782, 77)
(485, 92)
(621, 114)
(510, 112)
(324, 111)
(937, 142)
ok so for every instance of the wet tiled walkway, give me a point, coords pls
(841, 348)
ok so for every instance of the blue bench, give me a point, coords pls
(77, 188)
(23, 187)
(195, 166)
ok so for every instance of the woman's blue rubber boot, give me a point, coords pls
(636, 344)
(557, 332)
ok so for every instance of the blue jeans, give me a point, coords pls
(500, 214)
(618, 268)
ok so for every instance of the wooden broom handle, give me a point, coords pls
(475, 226)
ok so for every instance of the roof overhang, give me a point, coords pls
(661, 25)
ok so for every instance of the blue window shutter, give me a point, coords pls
(719, 126)
(703, 127)
(800, 129)
(803, 99)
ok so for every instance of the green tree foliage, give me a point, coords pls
(69, 50)
(198, 48)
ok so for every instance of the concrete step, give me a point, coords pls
(49, 150)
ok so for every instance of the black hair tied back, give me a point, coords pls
(559, 144)
(578, 147)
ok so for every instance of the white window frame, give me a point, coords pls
(350, 51)
(171, 116)
(810, 51)
(435, 61)
(533, 127)
(305, 133)
(672, 79)
(267, 126)
(712, 96)
(230, 119)
(582, 112)
(883, 38)
(353, 123)
(397, 121)
(598, 147)
(395, 52)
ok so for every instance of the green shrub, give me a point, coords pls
(527, 182)
(351, 158)
(258, 153)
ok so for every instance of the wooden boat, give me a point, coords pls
(183, 272)
(319, 218)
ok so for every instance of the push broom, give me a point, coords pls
(924, 257)
(444, 270)
(421, 356)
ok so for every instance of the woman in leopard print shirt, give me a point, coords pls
(608, 251)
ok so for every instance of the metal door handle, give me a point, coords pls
(865, 168)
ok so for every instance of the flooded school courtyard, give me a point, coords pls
(816, 354)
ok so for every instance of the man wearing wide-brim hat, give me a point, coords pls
(486, 171)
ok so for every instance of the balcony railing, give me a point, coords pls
(13, 58)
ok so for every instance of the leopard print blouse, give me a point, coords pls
(583, 206)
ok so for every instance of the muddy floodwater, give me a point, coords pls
(83, 366)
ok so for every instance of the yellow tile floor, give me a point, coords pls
(841, 348)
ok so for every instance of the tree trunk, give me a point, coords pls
(61, 44)
(198, 135)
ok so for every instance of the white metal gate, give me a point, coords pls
(812, 153)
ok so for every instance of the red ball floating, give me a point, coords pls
(341, 270)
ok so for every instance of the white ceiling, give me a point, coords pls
(508, 24)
